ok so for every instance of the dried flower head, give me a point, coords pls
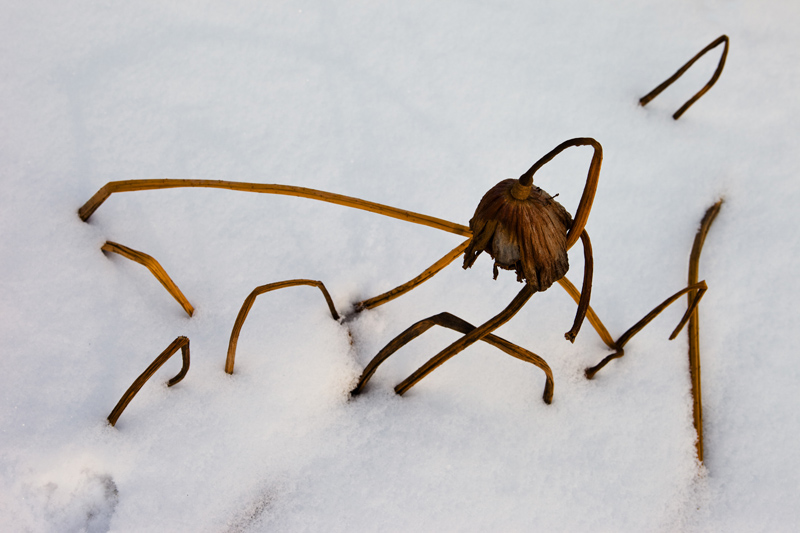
(524, 229)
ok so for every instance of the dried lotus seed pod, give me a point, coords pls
(524, 229)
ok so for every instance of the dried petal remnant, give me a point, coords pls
(524, 229)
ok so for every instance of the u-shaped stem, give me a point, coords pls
(589, 190)
(248, 304)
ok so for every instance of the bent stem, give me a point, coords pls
(655, 92)
(694, 326)
(288, 190)
(589, 190)
(467, 340)
(248, 304)
(455, 323)
(698, 289)
(180, 342)
(154, 267)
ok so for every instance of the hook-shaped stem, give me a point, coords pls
(180, 342)
(248, 304)
(589, 190)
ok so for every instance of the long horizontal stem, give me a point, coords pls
(287, 190)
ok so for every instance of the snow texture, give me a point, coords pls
(423, 106)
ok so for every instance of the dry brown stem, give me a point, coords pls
(594, 320)
(450, 321)
(288, 190)
(154, 267)
(419, 280)
(586, 293)
(180, 342)
(467, 340)
(694, 326)
(587, 198)
(655, 92)
(698, 289)
(251, 298)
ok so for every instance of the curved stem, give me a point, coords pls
(154, 267)
(586, 292)
(289, 190)
(585, 204)
(455, 323)
(180, 342)
(644, 100)
(470, 338)
(248, 304)
(419, 280)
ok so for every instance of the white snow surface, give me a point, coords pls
(423, 106)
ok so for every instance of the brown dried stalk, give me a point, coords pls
(589, 190)
(154, 267)
(594, 320)
(468, 339)
(655, 92)
(288, 190)
(180, 342)
(251, 298)
(694, 326)
(450, 321)
(419, 280)
(698, 289)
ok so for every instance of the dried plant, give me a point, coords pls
(694, 325)
(181, 343)
(644, 100)
(154, 267)
(113, 187)
(523, 229)
(248, 304)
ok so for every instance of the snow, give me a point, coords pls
(424, 107)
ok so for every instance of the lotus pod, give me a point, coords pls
(524, 229)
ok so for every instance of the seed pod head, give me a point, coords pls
(524, 229)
